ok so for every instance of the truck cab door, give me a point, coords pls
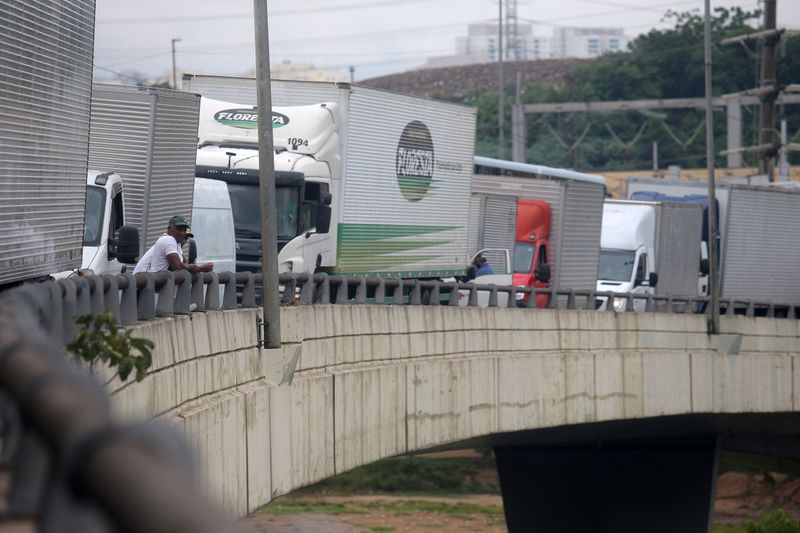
(116, 220)
(641, 284)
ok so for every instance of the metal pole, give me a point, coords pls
(713, 253)
(266, 171)
(784, 156)
(501, 137)
(655, 158)
(518, 124)
(766, 119)
(174, 75)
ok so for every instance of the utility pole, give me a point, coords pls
(713, 253)
(518, 142)
(174, 71)
(768, 84)
(266, 172)
(501, 138)
(352, 74)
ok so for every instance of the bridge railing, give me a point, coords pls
(131, 298)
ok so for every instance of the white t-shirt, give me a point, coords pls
(155, 259)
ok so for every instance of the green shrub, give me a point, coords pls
(778, 521)
(99, 338)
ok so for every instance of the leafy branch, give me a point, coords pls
(101, 339)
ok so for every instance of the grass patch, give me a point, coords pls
(284, 507)
(381, 529)
(415, 475)
(456, 510)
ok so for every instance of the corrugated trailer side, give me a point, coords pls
(678, 248)
(761, 245)
(45, 87)
(149, 137)
(579, 235)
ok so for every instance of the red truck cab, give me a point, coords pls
(530, 250)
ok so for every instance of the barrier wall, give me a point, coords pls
(354, 384)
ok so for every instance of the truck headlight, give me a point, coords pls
(619, 304)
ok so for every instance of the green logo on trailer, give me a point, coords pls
(247, 119)
(414, 161)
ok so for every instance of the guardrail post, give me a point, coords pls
(473, 296)
(361, 290)
(730, 309)
(689, 309)
(552, 301)
(146, 304)
(69, 309)
(289, 290)
(455, 295)
(84, 306)
(183, 292)
(341, 290)
(435, 294)
(55, 320)
(128, 305)
(380, 292)
(249, 289)
(571, 299)
(165, 306)
(324, 290)
(111, 296)
(198, 284)
(591, 301)
(96, 292)
(229, 295)
(308, 290)
(771, 310)
(650, 304)
(212, 292)
(792, 312)
(751, 308)
(397, 294)
(415, 294)
(492, 295)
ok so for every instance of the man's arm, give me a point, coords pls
(175, 263)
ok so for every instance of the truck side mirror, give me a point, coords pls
(542, 273)
(125, 247)
(323, 218)
(704, 267)
(653, 279)
(325, 198)
(192, 251)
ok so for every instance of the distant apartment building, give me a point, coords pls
(587, 42)
(480, 45)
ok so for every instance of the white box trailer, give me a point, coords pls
(759, 231)
(399, 175)
(45, 87)
(149, 137)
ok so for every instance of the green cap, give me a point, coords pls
(178, 220)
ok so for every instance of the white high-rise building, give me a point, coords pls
(480, 45)
(587, 42)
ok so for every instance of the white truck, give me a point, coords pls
(46, 80)
(396, 170)
(759, 235)
(648, 248)
(546, 217)
(145, 140)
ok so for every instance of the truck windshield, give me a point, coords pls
(247, 215)
(523, 257)
(93, 219)
(615, 265)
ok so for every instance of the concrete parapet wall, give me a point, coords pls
(354, 384)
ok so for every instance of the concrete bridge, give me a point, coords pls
(601, 421)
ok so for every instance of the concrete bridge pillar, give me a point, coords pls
(644, 485)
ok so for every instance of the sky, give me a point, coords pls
(376, 37)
